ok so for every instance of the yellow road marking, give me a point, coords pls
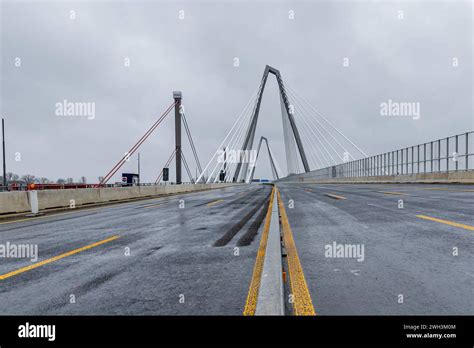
(447, 222)
(308, 190)
(334, 196)
(69, 253)
(152, 205)
(302, 305)
(215, 202)
(251, 302)
(392, 193)
(445, 189)
(48, 216)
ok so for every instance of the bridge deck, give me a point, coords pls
(173, 252)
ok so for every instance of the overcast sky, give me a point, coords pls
(81, 59)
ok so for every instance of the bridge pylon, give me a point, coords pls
(177, 95)
(242, 168)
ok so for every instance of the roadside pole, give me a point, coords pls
(5, 188)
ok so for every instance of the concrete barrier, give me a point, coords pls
(14, 202)
(460, 177)
(270, 294)
(18, 202)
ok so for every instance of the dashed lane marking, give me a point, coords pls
(447, 222)
(152, 205)
(392, 193)
(56, 258)
(443, 189)
(210, 204)
(334, 196)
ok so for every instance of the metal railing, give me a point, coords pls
(448, 154)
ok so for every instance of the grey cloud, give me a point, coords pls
(82, 60)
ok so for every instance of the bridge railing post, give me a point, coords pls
(456, 149)
(447, 154)
(407, 164)
(467, 151)
(374, 165)
(431, 157)
(378, 165)
(424, 157)
(418, 159)
(439, 155)
(369, 166)
(401, 161)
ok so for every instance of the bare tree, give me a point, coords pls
(60, 181)
(43, 180)
(83, 180)
(12, 176)
(70, 180)
(28, 179)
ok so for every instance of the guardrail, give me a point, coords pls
(450, 154)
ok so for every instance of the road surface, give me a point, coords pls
(404, 254)
(173, 267)
(194, 254)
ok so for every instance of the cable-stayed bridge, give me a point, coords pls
(305, 130)
(339, 231)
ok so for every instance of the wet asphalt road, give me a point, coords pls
(183, 258)
(172, 268)
(403, 254)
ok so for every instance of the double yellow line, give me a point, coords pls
(302, 304)
(251, 302)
